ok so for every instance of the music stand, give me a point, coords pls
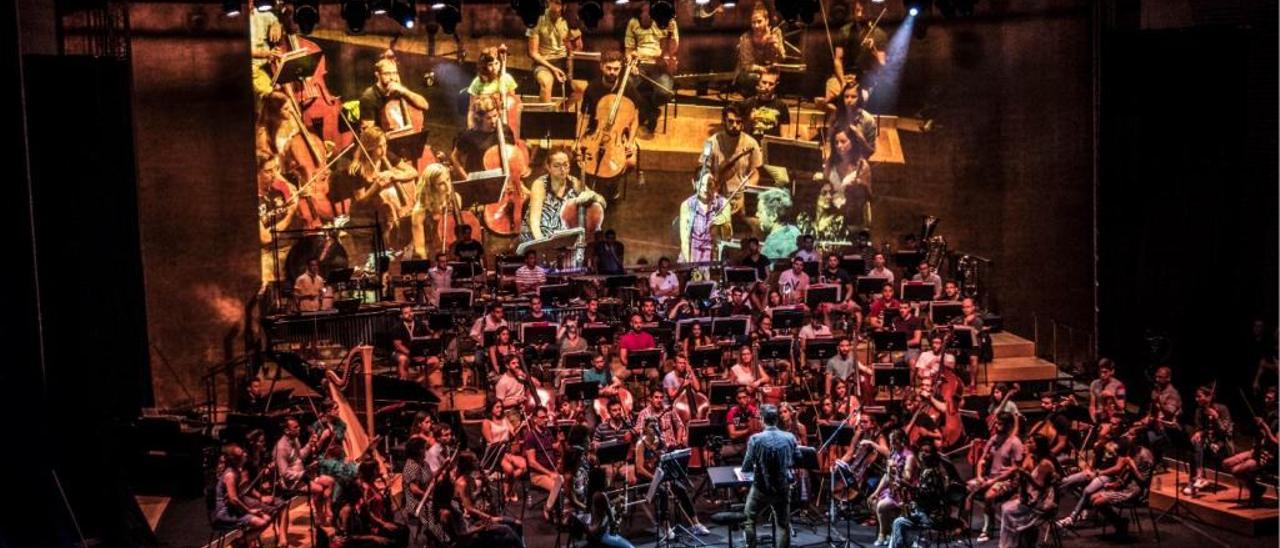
(338, 276)
(825, 431)
(701, 431)
(811, 268)
(416, 266)
(962, 337)
(778, 348)
(480, 187)
(564, 239)
(581, 390)
(821, 293)
(706, 356)
(577, 360)
(639, 360)
(891, 376)
(870, 284)
(917, 291)
(556, 294)
(454, 299)
(440, 321)
(733, 326)
(611, 452)
(552, 124)
(593, 332)
(490, 337)
(889, 341)
(907, 258)
(787, 318)
(463, 270)
(739, 275)
(855, 265)
(819, 349)
(699, 291)
(721, 393)
(941, 312)
(538, 334)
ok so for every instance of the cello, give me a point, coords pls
(401, 119)
(453, 215)
(320, 107)
(504, 216)
(603, 153)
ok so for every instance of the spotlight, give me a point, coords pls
(437, 5)
(528, 10)
(662, 12)
(621, 2)
(729, 4)
(405, 12)
(306, 13)
(356, 14)
(264, 5)
(231, 8)
(877, 1)
(701, 2)
(449, 14)
(917, 7)
(913, 12)
(378, 7)
(590, 12)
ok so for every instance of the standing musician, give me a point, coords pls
(731, 142)
(495, 85)
(378, 171)
(1212, 438)
(992, 483)
(481, 134)
(309, 288)
(769, 459)
(548, 49)
(551, 193)
(656, 48)
(387, 87)
(758, 48)
(1105, 385)
(703, 217)
(859, 51)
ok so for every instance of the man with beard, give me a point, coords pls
(766, 111)
(859, 50)
(608, 83)
(731, 143)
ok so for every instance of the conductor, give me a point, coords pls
(769, 458)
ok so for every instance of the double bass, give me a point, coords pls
(319, 107)
(602, 153)
(505, 215)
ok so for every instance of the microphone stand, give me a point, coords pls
(831, 500)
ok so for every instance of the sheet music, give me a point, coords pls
(742, 476)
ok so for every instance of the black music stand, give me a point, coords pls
(463, 270)
(338, 276)
(480, 187)
(593, 332)
(440, 321)
(556, 294)
(707, 356)
(722, 392)
(577, 360)
(821, 293)
(811, 268)
(870, 284)
(776, 348)
(787, 318)
(298, 65)
(581, 390)
(891, 376)
(942, 312)
(855, 265)
(962, 338)
(819, 349)
(639, 360)
(844, 437)
(454, 299)
(490, 337)
(415, 266)
(889, 341)
(917, 291)
(733, 326)
(550, 124)
(538, 334)
(612, 452)
(739, 275)
(699, 291)
(701, 432)
(908, 258)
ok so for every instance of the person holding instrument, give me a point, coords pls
(604, 97)
(760, 47)
(380, 172)
(655, 46)
(731, 143)
(703, 217)
(556, 193)
(859, 50)
(481, 134)
(386, 88)
(1212, 437)
(493, 83)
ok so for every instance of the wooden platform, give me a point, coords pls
(1219, 506)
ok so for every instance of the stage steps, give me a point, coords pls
(1008, 345)
(1220, 506)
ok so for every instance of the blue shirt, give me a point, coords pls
(603, 378)
(769, 458)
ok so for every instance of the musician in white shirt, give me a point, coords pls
(927, 275)
(309, 288)
(931, 361)
(793, 283)
(663, 283)
(879, 269)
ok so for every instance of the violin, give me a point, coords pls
(603, 153)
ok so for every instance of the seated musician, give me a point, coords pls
(759, 47)
(548, 51)
(950, 291)
(602, 525)
(1108, 473)
(591, 313)
(468, 250)
(1055, 427)
(383, 174)
(414, 480)
(386, 87)
(276, 124)
(548, 196)
(859, 49)
(610, 79)
(649, 312)
(445, 444)
(309, 288)
(847, 171)
(513, 388)
(908, 322)
(754, 258)
(1211, 439)
(265, 32)
(793, 283)
(747, 372)
(607, 254)
(663, 283)
(702, 217)
(254, 399)
(844, 366)
(679, 377)
(928, 506)
(880, 269)
(815, 329)
(493, 320)
(927, 275)
(1137, 466)
(373, 507)
(855, 461)
(617, 427)
(648, 451)
(530, 276)
(542, 452)
(832, 273)
(683, 307)
(742, 420)
(1164, 410)
(766, 113)
(885, 300)
(602, 374)
(731, 142)
(441, 276)
(644, 40)
(738, 303)
(490, 88)
(776, 219)
(499, 432)
(763, 330)
(1105, 384)
(932, 361)
(402, 336)
(502, 347)
(230, 508)
(290, 457)
(894, 488)
(1247, 464)
(634, 339)
(570, 338)
(277, 206)
(470, 145)
(1037, 478)
(993, 483)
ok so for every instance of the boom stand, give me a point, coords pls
(832, 536)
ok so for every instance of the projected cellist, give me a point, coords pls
(607, 148)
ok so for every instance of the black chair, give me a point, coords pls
(953, 528)
(1131, 508)
(732, 520)
(220, 534)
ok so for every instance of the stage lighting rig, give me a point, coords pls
(306, 14)
(917, 7)
(231, 8)
(662, 12)
(264, 5)
(404, 12)
(448, 14)
(356, 14)
(378, 7)
(590, 12)
(528, 10)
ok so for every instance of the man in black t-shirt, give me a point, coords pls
(755, 259)
(470, 145)
(608, 254)
(467, 250)
(766, 113)
(610, 76)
